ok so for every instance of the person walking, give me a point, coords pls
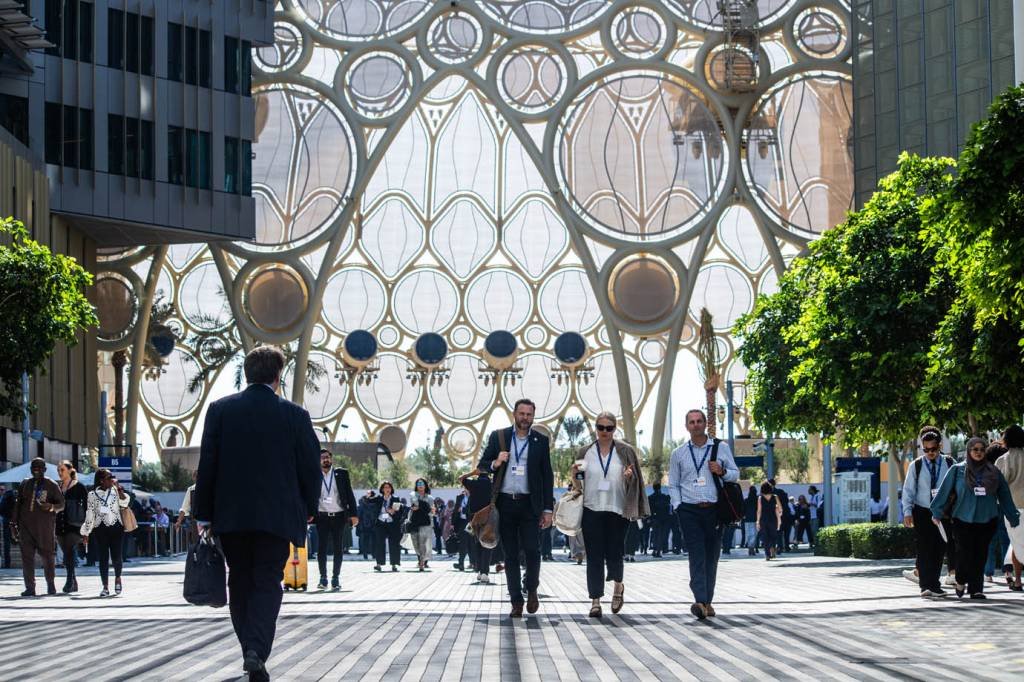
(70, 520)
(608, 474)
(750, 534)
(478, 487)
(1011, 466)
(660, 505)
(186, 515)
(335, 511)
(7, 500)
(438, 522)
(421, 517)
(104, 528)
(817, 502)
(521, 460)
(460, 520)
(694, 492)
(981, 496)
(389, 511)
(999, 547)
(919, 489)
(34, 523)
(803, 515)
(782, 536)
(258, 488)
(367, 528)
(769, 519)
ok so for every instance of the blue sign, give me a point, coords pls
(751, 461)
(115, 462)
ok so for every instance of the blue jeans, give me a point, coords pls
(997, 549)
(703, 538)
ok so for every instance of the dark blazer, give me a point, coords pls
(377, 504)
(345, 494)
(259, 466)
(661, 506)
(458, 521)
(538, 467)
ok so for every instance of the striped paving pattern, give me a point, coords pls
(801, 617)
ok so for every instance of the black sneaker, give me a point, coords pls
(978, 595)
(377, 568)
(30, 592)
(322, 585)
(335, 584)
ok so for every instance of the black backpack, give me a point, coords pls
(730, 495)
(919, 462)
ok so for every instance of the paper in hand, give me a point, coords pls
(942, 532)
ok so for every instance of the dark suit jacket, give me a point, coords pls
(395, 527)
(345, 494)
(458, 521)
(538, 467)
(661, 506)
(259, 466)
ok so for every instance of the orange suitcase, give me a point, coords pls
(296, 569)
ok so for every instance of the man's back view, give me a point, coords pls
(258, 485)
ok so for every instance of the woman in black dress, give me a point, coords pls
(769, 519)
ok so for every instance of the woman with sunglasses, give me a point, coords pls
(103, 523)
(608, 473)
(981, 497)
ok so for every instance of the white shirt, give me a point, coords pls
(603, 493)
(689, 476)
(516, 480)
(330, 502)
(186, 504)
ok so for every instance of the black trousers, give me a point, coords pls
(518, 527)
(660, 534)
(109, 541)
(7, 543)
(645, 537)
(545, 542)
(368, 542)
(604, 535)
(930, 548)
(255, 566)
(465, 540)
(632, 542)
(388, 538)
(804, 528)
(678, 540)
(69, 545)
(329, 530)
(972, 541)
(479, 555)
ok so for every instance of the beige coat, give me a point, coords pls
(1012, 466)
(636, 505)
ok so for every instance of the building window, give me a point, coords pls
(197, 45)
(69, 136)
(115, 38)
(175, 155)
(175, 51)
(237, 166)
(146, 45)
(69, 28)
(115, 144)
(237, 65)
(246, 152)
(14, 116)
(188, 157)
(131, 147)
(130, 42)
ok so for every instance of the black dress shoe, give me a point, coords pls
(517, 611)
(253, 665)
(30, 592)
(532, 602)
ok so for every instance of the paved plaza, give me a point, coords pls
(800, 617)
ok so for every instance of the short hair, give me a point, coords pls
(263, 365)
(384, 483)
(37, 461)
(71, 469)
(1013, 437)
(101, 474)
(994, 452)
(606, 415)
(766, 487)
(930, 433)
(426, 485)
(696, 409)
(524, 401)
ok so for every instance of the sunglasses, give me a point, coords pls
(931, 449)
(606, 429)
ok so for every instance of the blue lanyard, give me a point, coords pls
(328, 482)
(933, 471)
(516, 450)
(106, 499)
(604, 464)
(693, 457)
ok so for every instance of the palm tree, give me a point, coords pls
(573, 428)
(709, 361)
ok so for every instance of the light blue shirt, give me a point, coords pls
(917, 489)
(518, 485)
(687, 484)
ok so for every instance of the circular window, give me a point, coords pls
(638, 32)
(360, 347)
(378, 84)
(500, 344)
(388, 335)
(275, 298)
(532, 79)
(643, 289)
(454, 37)
(115, 307)
(820, 33)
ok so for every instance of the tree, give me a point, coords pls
(148, 476)
(398, 473)
(365, 475)
(42, 303)
(795, 462)
(709, 360)
(653, 464)
(561, 465)
(175, 477)
(573, 427)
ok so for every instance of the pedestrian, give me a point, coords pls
(750, 534)
(460, 521)
(999, 548)
(186, 515)
(390, 512)
(336, 511)
(608, 474)
(981, 497)
(34, 521)
(438, 521)
(70, 520)
(478, 487)
(660, 505)
(367, 528)
(162, 524)
(257, 490)
(692, 471)
(633, 535)
(782, 537)
(448, 526)
(7, 500)
(919, 489)
(521, 460)
(421, 517)
(803, 514)
(769, 519)
(104, 528)
(1011, 465)
(817, 502)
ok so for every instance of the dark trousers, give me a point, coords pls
(678, 540)
(368, 542)
(783, 539)
(329, 530)
(703, 542)
(465, 540)
(645, 537)
(660, 534)
(109, 543)
(37, 538)
(545, 542)
(604, 535)
(479, 555)
(69, 545)
(388, 538)
(255, 565)
(632, 542)
(804, 528)
(7, 543)
(972, 541)
(518, 527)
(930, 548)
(438, 540)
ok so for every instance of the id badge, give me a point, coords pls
(701, 481)
(604, 485)
(517, 470)
(979, 491)
(935, 491)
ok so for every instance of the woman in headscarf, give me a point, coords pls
(977, 495)
(1011, 466)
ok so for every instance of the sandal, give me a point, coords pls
(617, 600)
(595, 611)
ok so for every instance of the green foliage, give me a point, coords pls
(149, 476)
(833, 541)
(756, 475)
(42, 303)
(398, 473)
(866, 541)
(561, 465)
(795, 462)
(574, 429)
(433, 464)
(654, 463)
(365, 475)
(175, 476)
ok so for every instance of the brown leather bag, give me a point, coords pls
(484, 524)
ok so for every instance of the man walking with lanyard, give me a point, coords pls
(922, 484)
(692, 470)
(336, 509)
(525, 501)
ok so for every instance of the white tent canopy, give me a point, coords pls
(23, 471)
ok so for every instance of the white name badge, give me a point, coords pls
(701, 481)
(518, 470)
(979, 491)
(935, 491)
(604, 485)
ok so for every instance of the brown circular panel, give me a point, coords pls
(115, 307)
(393, 438)
(276, 298)
(643, 289)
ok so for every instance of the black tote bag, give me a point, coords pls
(205, 574)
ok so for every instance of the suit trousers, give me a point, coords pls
(930, 548)
(518, 528)
(660, 534)
(255, 565)
(329, 530)
(479, 555)
(703, 538)
(37, 537)
(604, 534)
(972, 540)
(388, 538)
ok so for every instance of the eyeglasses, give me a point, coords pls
(605, 428)
(930, 450)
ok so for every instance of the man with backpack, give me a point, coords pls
(922, 484)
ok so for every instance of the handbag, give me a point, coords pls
(451, 544)
(74, 512)
(484, 524)
(730, 495)
(205, 574)
(569, 512)
(128, 519)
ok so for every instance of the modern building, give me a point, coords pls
(137, 116)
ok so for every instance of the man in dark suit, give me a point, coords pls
(335, 511)
(257, 488)
(460, 519)
(661, 519)
(521, 459)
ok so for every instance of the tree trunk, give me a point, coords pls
(712, 395)
(119, 360)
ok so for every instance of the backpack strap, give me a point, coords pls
(714, 448)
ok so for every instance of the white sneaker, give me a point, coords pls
(484, 579)
(910, 575)
(950, 580)
(989, 579)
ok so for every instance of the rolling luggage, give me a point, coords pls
(296, 569)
